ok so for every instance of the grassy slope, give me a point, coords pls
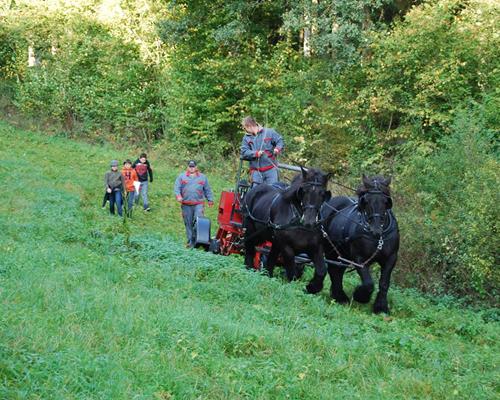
(90, 308)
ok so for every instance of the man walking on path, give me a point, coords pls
(130, 176)
(143, 169)
(114, 184)
(191, 189)
(260, 146)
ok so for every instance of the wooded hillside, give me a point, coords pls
(397, 87)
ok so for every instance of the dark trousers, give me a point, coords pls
(115, 197)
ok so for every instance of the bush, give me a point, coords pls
(86, 78)
(450, 225)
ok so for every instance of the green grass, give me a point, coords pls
(91, 308)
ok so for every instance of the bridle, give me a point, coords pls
(303, 207)
(369, 217)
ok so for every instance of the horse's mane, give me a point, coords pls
(309, 175)
(377, 182)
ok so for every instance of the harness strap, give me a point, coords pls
(380, 245)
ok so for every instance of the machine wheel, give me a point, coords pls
(201, 232)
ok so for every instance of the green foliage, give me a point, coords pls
(338, 29)
(451, 225)
(84, 314)
(410, 81)
(86, 78)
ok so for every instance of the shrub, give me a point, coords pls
(450, 226)
(86, 78)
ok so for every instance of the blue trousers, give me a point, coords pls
(143, 190)
(116, 198)
(270, 176)
(189, 214)
(130, 202)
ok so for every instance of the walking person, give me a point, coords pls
(130, 176)
(191, 189)
(144, 172)
(260, 146)
(114, 184)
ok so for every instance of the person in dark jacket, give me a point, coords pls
(260, 146)
(144, 171)
(191, 189)
(114, 184)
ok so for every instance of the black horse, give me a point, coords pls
(359, 233)
(288, 217)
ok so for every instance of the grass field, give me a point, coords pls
(91, 308)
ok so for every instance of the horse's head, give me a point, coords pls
(374, 201)
(308, 190)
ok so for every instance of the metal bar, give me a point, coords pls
(306, 260)
(236, 191)
(238, 176)
(290, 167)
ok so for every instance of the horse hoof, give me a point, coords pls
(342, 299)
(380, 308)
(362, 294)
(311, 289)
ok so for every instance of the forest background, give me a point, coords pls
(403, 88)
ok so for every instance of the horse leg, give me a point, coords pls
(337, 288)
(364, 291)
(380, 305)
(289, 263)
(300, 270)
(249, 244)
(271, 260)
(316, 283)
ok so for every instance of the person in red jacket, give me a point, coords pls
(130, 176)
(144, 171)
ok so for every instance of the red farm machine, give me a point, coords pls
(229, 238)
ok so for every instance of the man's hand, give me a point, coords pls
(108, 190)
(259, 153)
(178, 198)
(210, 203)
(276, 150)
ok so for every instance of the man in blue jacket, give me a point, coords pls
(260, 146)
(191, 189)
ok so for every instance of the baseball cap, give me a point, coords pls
(191, 163)
(114, 163)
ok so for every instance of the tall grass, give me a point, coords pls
(84, 314)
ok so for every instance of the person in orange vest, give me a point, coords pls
(130, 176)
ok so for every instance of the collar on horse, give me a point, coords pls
(364, 224)
(297, 209)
